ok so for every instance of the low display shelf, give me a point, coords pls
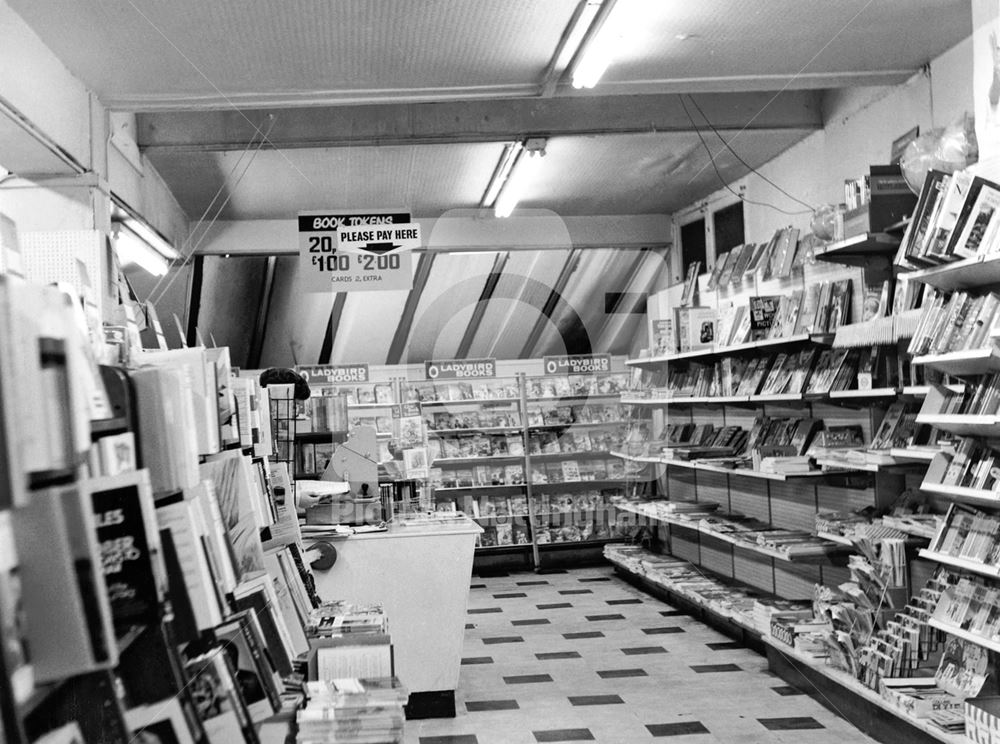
(964, 424)
(982, 569)
(963, 494)
(465, 401)
(958, 632)
(971, 362)
(976, 271)
(754, 347)
(859, 250)
(708, 468)
(789, 663)
(817, 550)
(474, 430)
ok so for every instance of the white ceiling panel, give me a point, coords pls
(446, 304)
(517, 303)
(268, 184)
(577, 321)
(779, 38)
(367, 326)
(136, 51)
(296, 321)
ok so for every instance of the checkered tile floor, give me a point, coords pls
(583, 656)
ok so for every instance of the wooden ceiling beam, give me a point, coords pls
(471, 121)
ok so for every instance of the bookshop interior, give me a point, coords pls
(499, 371)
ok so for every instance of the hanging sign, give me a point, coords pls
(332, 374)
(460, 369)
(355, 263)
(577, 364)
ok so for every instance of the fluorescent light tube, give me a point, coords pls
(132, 249)
(501, 174)
(519, 179)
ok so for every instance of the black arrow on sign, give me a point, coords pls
(381, 249)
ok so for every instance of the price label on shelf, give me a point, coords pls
(577, 364)
(356, 252)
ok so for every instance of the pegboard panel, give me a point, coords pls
(753, 569)
(714, 487)
(749, 496)
(684, 544)
(834, 575)
(716, 556)
(795, 582)
(51, 256)
(793, 505)
(682, 483)
(835, 498)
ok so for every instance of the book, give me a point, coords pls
(62, 587)
(840, 305)
(13, 632)
(740, 267)
(217, 699)
(690, 293)
(229, 474)
(977, 220)
(720, 265)
(242, 641)
(727, 272)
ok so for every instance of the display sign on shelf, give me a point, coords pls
(333, 374)
(356, 252)
(577, 364)
(460, 369)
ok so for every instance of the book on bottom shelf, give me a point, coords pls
(217, 699)
(162, 722)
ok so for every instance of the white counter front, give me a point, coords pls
(420, 575)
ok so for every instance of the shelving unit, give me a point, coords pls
(860, 250)
(529, 426)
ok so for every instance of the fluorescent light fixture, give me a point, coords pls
(500, 175)
(134, 250)
(598, 47)
(519, 179)
(150, 237)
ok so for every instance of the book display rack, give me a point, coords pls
(153, 577)
(887, 429)
(530, 458)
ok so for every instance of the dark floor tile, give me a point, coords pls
(583, 634)
(677, 729)
(503, 639)
(672, 613)
(706, 668)
(532, 583)
(550, 655)
(620, 673)
(580, 734)
(663, 631)
(787, 690)
(725, 645)
(492, 574)
(524, 679)
(596, 578)
(478, 586)
(476, 706)
(484, 610)
(595, 618)
(450, 739)
(554, 606)
(624, 601)
(596, 700)
(639, 650)
(470, 626)
(477, 660)
(790, 724)
(510, 595)
(550, 571)
(532, 621)
(576, 591)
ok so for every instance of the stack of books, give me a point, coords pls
(352, 711)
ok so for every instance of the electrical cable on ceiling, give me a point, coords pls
(718, 173)
(737, 156)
